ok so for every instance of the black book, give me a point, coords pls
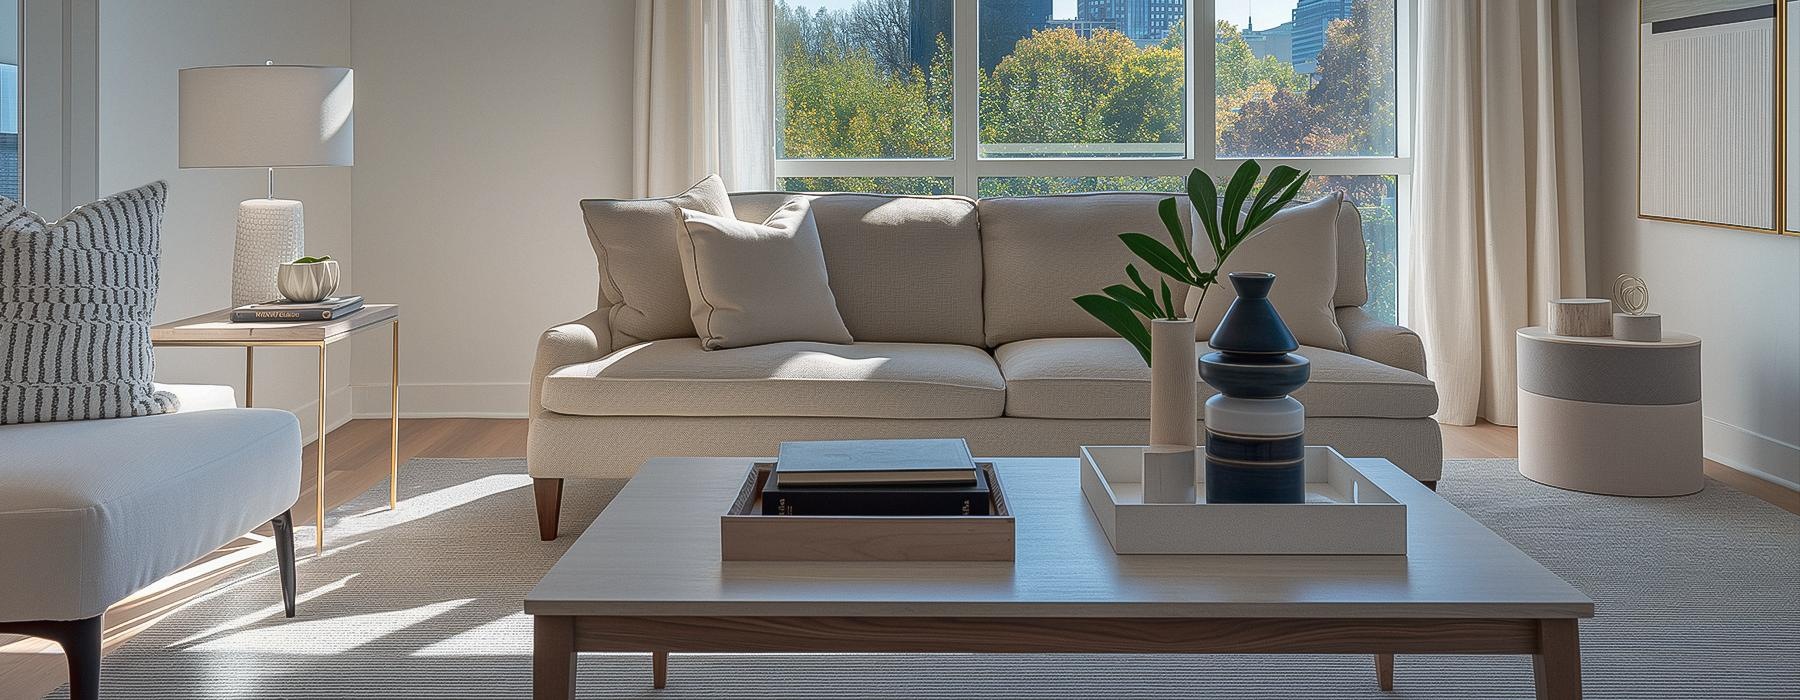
(334, 307)
(919, 499)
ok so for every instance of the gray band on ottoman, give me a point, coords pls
(1604, 370)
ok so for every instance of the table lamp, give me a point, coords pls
(266, 116)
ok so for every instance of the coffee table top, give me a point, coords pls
(655, 551)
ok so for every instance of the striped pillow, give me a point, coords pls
(75, 304)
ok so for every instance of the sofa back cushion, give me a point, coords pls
(1039, 253)
(904, 269)
(640, 268)
(1352, 252)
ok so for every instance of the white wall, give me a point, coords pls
(1739, 291)
(142, 45)
(480, 125)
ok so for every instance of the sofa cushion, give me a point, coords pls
(865, 380)
(1298, 245)
(640, 269)
(94, 510)
(1039, 253)
(1105, 378)
(750, 284)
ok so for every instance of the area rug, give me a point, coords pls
(1697, 596)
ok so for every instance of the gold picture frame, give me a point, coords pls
(1670, 16)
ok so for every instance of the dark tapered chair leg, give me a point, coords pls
(80, 641)
(1430, 484)
(549, 506)
(284, 555)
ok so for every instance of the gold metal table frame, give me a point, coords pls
(214, 330)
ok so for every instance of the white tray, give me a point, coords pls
(1344, 513)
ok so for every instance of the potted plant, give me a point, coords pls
(1167, 344)
(308, 279)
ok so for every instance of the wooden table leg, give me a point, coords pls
(1384, 671)
(553, 657)
(1557, 664)
(659, 670)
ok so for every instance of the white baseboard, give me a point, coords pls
(491, 400)
(1758, 455)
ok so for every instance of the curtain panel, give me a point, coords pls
(1498, 205)
(702, 95)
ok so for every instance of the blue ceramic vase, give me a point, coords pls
(1255, 432)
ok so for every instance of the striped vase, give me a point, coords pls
(1255, 432)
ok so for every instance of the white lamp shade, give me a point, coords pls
(267, 116)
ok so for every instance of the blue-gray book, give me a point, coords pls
(875, 462)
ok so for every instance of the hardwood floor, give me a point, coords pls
(357, 459)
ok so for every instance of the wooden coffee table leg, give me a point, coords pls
(1557, 664)
(659, 669)
(1384, 671)
(553, 657)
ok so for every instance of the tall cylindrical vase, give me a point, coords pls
(1169, 462)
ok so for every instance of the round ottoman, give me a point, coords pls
(1610, 416)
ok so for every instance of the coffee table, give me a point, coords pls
(646, 577)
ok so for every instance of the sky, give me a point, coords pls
(1267, 13)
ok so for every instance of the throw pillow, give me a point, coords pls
(75, 303)
(752, 284)
(1299, 245)
(640, 270)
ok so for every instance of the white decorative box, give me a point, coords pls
(1345, 512)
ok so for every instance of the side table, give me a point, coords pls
(1609, 416)
(216, 330)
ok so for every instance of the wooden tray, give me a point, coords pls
(745, 534)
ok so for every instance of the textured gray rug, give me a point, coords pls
(1697, 596)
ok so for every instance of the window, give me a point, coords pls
(1020, 97)
(11, 181)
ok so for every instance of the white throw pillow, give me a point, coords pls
(1298, 245)
(640, 271)
(750, 284)
(75, 303)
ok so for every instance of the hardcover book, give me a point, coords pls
(875, 462)
(918, 499)
(323, 310)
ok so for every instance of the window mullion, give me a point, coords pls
(966, 91)
(1202, 84)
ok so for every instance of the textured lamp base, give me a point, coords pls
(269, 232)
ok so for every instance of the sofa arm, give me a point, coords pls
(1374, 339)
(581, 340)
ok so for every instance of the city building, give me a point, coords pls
(1004, 22)
(1311, 19)
(1144, 21)
(1277, 42)
(926, 20)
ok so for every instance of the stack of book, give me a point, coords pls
(283, 310)
(876, 477)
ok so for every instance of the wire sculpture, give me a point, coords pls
(1631, 295)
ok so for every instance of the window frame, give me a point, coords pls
(965, 167)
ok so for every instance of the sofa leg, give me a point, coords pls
(284, 556)
(549, 506)
(80, 641)
(1430, 484)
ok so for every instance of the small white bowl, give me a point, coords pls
(307, 282)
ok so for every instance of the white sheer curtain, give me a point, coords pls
(702, 99)
(1499, 191)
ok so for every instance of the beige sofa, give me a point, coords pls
(964, 326)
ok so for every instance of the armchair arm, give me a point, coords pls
(583, 339)
(1374, 339)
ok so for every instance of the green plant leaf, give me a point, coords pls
(309, 259)
(1169, 210)
(1135, 299)
(1159, 256)
(1205, 198)
(1118, 317)
(1169, 302)
(1235, 193)
(1278, 190)
(1144, 289)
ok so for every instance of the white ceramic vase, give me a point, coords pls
(1174, 374)
(307, 282)
(269, 232)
